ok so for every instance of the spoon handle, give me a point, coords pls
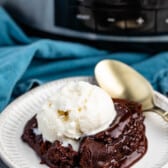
(162, 113)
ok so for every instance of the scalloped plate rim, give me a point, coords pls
(5, 113)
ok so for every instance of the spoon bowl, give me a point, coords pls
(121, 81)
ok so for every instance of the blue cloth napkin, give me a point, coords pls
(26, 62)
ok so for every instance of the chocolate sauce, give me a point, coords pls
(119, 146)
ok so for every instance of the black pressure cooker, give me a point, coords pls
(122, 21)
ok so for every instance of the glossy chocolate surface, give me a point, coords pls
(119, 146)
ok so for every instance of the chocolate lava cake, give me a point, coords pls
(119, 146)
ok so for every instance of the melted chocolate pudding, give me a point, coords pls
(119, 146)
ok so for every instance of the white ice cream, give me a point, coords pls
(76, 110)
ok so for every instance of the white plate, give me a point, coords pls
(17, 154)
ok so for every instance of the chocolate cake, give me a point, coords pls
(119, 146)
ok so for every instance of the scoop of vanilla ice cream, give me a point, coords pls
(76, 110)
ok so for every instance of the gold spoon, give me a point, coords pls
(121, 81)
